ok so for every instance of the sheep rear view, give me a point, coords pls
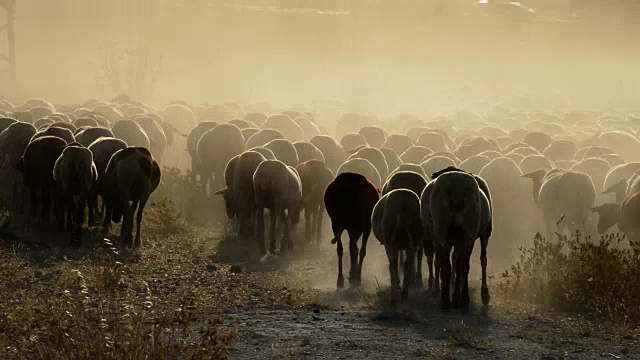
(315, 176)
(349, 201)
(277, 188)
(455, 211)
(74, 174)
(131, 176)
(396, 224)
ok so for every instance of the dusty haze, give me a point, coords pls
(383, 62)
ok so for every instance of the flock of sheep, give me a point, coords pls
(427, 187)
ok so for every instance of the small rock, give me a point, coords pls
(316, 311)
(211, 268)
(317, 318)
(236, 269)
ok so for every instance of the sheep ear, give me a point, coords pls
(221, 192)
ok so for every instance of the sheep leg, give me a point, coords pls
(353, 255)
(392, 255)
(340, 275)
(363, 252)
(76, 236)
(141, 206)
(287, 244)
(484, 241)
(318, 223)
(259, 231)
(108, 212)
(127, 224)
(308, 216)
(409, 268)
(273, 216)
(455, 278)
(463, 277)
(337, 234)
(418, 274)
(444, 263)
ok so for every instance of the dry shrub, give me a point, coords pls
(575, 274)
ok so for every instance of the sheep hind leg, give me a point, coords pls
(363, 253)
(318, 224)
(140, 210)
(409, 269)
(455, 278)
(463, 279)
(392, 256)
(353, 255)
(337, 234)
(418, 268)
(484, 241)
(259, 230)
(443, 261)
(287, 244)
(127, 224)
(273, 216)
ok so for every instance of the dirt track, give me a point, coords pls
(352, 324)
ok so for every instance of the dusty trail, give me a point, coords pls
(351, 324)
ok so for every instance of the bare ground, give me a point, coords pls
(287, 306)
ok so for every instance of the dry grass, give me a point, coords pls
(103, 302)
(596, 279)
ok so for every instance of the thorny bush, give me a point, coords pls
(576, 274)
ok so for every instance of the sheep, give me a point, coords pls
(392, 159)
(353, 141)
(349, 200)
(396, 224)
(64, 124)
(473, 146)
(263, 137)
(5, 122)
(178, 117)
(102, 149)
(433, 140)
(74, 174)
(563, 194)
(131, 132)
(131, 176)
(416, 183)
(363, 167)
(615, 181)
(408, 167)
(13, 141)
(596, 168)
(315, 176)
(350, 123)
(308, 127)
(85, 121)
(624, 214)
(157, 138)
(307, 151)
(613, 159)
(276, 187)
(267, 153)
(593, 151)
(215, 148)
(286, 125)
(415, 154)
(375, 157)
(284, 151)
(623, 143)
(256, 118)
(436, 163)
(87, 136)
(455, 209)
(242, 124)
(37, 165)
(374, 135)
(492, 154)
(333, 153)
(43, 123)
(565, 165)
(62, 133)
(239, 193)
(398, 143)
(192, 145)
(531, 163)
(248, 133)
